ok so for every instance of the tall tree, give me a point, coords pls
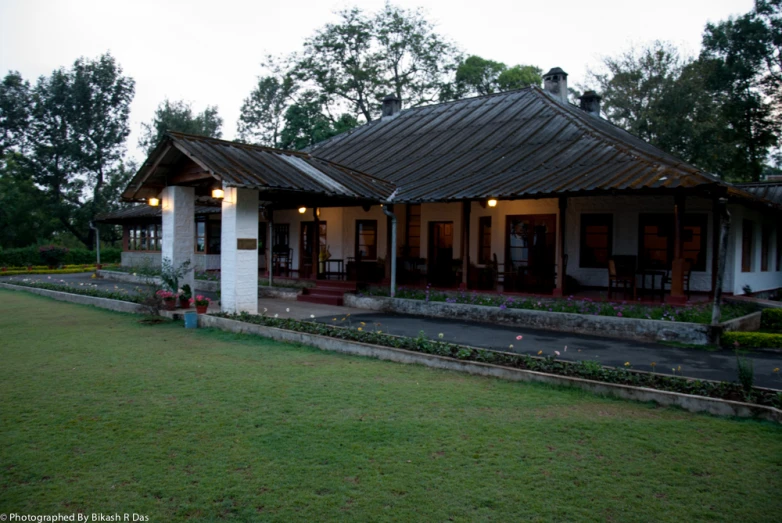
(179, 116)
(262, 114)
(478, 76)
(14, 111)
(306, 124)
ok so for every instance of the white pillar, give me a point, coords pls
(179, 228)
(239, 248)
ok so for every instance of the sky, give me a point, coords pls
(209, 52)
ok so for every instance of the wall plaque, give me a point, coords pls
(246, 244)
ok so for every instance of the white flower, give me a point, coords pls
(276, 315)
(265, 309)
(312, 316)
(134, 274)
(440, 335)
(288, 309)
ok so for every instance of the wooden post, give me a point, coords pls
(724, 222)
(270, 245)
(465, 250)
(677, 267)
(315, 242)
(389, 250)
(715, 242)
(559, 289)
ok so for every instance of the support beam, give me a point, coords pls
(559, 289)
(269, 244)
(465, 250)
(315, 242)
(239, 247)
(178, 210)
(722, 250)
(677, 266)
(389, 211)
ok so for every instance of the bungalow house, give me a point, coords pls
(520, 189)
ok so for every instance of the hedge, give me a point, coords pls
(30, 256)
(751, 340)
(771, 320)
(17, 272)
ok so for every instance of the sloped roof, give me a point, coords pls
(515, 144)
(252, 166)
(771, 191)
(145, 211)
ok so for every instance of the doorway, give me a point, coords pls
(530, 252)
(306, 242)
(440, 253)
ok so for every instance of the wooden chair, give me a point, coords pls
(621, 276)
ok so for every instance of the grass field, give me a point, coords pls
(103, 414)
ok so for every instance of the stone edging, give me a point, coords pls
(624, 328)
(685, 401)
(103, 303)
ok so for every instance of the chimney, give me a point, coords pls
(391, 106)
(590, 102)
(555, 83)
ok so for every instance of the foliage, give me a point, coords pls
(771, 320)
(694, 313)
(201, 301)
(751, 340)
(179, 116)
(24, 207)
(550, 364)
(67, 135)
(172, 275)
(187, 292)
(222, 426)
(52, 255)
(16, 272)
(305, 123)
(81, 289)
(262, 112)
(23, 257)
(745, 372)
(166, 295)
(478, 76)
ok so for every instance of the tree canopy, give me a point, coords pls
(478, 76)
(179, 116)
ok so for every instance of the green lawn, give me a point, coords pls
(101, 413)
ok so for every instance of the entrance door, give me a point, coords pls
(306, 241)
(441, 253)
(530, 251)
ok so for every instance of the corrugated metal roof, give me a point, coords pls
(771, 191)
(515, 144)
(263, 168)
(146, 211)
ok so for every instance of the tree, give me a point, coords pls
(24, 208)
(68, 140)
(179, 116)
(305, 123)
(478, 76)
(263, 112)
(361, 59)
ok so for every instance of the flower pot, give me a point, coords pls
(170, 305)
(184, 303)
(201, 309)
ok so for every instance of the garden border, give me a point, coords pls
(624, 328)
(687, 402)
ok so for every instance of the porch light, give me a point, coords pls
(492, 203)
(218, 194)
(302, 210)
(153, 202)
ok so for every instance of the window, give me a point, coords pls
(413, 231)
(200, 234)
(597, 232)
(747, 230)
(484, 239)
(214, 231)
(144, 237)
(765, 247)
(281, 240)
(656, 236)
(366, 239)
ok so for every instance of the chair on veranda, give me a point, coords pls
(620, 274)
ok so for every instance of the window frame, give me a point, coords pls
(359, 225)
(747, 245)
(591, 220)
(484, 240)
(667, 222)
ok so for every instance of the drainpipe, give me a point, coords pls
(388, 209)
(97, 242)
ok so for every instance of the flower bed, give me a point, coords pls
(699, 313)
(584, 369)
(84, 289)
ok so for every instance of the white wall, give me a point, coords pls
(757, 280)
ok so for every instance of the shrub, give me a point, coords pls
(751, 340)
(746, 372)
(771, 320)
(52, 255)
(25, 256)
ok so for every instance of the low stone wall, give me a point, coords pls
(284, 293)
(750, 322)
(128, 277)
(685, 401)
(625, 328)
(103, 303)
(758, 302)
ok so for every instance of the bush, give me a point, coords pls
(751, 340)
(771, 320)
(25, 256)
(52, 255)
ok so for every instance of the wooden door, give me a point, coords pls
(441, 253)
(530, 251)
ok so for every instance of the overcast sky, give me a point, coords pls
(209, 52)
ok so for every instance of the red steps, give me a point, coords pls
(327, 292)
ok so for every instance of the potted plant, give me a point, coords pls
(185, 294)
(169, 299)
(201, 304)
